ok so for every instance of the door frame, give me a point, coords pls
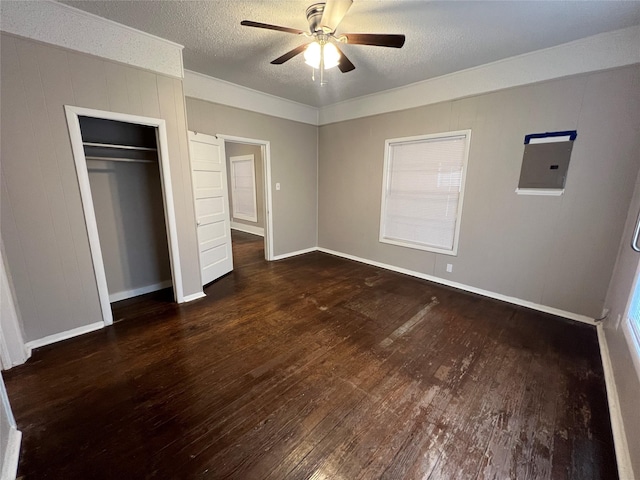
(73, 122)
(265, 147)
(13, 350)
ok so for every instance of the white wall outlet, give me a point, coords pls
(449, 267)
(278, 186)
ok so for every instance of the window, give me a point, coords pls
(632, 329)
(243, 188)
(634, 311)
(422, 191)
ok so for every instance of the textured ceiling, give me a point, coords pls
(442, 37)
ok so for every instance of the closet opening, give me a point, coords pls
(125, 186)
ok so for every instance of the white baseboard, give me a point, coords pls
(25, 354)
(194, 296)
(11, 455)
(15, 356)
(58, 337)
(623, 457)
(116, 297)
(498, 296)
(293, 254)
(247, 228)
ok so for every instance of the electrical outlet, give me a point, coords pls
(277, 186)
(449, 267)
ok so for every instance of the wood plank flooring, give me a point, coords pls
(317, 367)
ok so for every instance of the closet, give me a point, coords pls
(126, 191)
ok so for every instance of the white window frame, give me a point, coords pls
(232, 162)
(389, 144)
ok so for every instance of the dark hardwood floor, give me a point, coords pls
(317, 367)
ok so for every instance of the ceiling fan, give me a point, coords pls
(323, 53)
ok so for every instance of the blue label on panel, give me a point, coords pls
(572, 134)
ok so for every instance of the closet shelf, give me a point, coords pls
(119, 147)
(120, 159)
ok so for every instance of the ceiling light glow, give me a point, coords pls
(315, 51)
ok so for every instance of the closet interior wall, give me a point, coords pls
(127, 198)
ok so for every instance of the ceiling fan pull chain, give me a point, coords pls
(322, 64)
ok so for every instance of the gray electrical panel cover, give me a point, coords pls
(545, 165)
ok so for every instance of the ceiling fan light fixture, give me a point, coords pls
(315, 51)
(322, 53)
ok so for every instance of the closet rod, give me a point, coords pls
(121, 147)
(117, 159)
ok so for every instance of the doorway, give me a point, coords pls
(260, 150)
(231, 179)
(246, 189)
(140, 151)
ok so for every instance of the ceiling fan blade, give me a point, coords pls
(249, 23)
(333, 13)
(345, 64)
(375, 39)
(289, 55)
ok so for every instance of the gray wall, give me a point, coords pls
(237, 149)
(554, 251)
(42, 223)
(127, 199)
(626, 377)
(294, 148)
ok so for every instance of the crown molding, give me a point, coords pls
(59, 24)
(214, 90)
(614, 49)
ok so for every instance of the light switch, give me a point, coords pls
(449, 267)
(277, 186)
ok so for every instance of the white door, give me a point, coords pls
(209, 173)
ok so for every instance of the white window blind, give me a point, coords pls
(422, 191)
(243, 188)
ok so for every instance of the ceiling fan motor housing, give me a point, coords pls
(314, 17)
